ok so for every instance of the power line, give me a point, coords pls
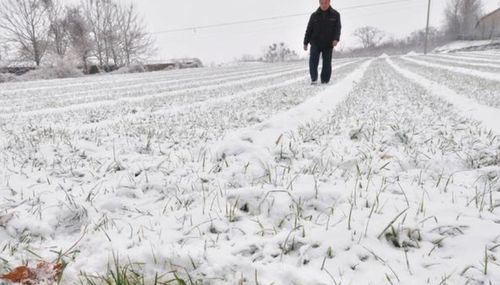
(374, 4)
(274, 18)
(259, 29)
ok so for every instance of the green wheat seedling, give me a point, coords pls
(231, 209)
(127, 274)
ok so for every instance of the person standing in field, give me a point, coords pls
(323, 34)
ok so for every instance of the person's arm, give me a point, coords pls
(309, 31)
(338, 30)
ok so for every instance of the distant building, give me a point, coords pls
(158, 65)
(488, 27)
(189, 62)
(16, 67)
(173, 64)
(93, 66)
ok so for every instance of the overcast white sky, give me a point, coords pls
(227, 43)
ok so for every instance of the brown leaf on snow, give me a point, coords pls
(30, 276)
(18, 274)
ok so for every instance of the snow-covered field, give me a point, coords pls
(249, 175)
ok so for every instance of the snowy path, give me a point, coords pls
(458, 60)
(264, 135)
(375, 179)
(142, 92)
(479, 55)
(193, 105)
(106, 80)
(487, 67)
(145, 93)
(467, 71)
(154, 84)
(490, 59)
(339, 71)
(488, 116)
(485, 91)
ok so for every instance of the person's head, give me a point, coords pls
(324, 4)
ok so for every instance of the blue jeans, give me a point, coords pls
(326, 71)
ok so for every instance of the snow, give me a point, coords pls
(463, 62)
(482, 90)
(264, 135)
(487, 75)
(462, 45)
(468, 57)
(488, 116)
(247, 174)
(100, 100)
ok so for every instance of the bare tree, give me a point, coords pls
(461, 17)
(118, 32)
(417, 38)
(25, 23)
(135, 40)
(58, 32)
(93, 11)
(471, 12)
(111, 34)
(369, 36)
(452, 18)
(79, 35)
(279, 53)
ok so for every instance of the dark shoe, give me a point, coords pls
(314, 82)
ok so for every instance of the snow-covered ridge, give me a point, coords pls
(458, 46)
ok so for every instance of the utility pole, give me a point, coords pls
(427, 27)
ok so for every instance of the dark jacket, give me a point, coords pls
(324, 27)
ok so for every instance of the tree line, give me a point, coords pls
(460, 20)
(111, 32)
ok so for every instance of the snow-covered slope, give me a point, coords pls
(468, 46)
(249, 175)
